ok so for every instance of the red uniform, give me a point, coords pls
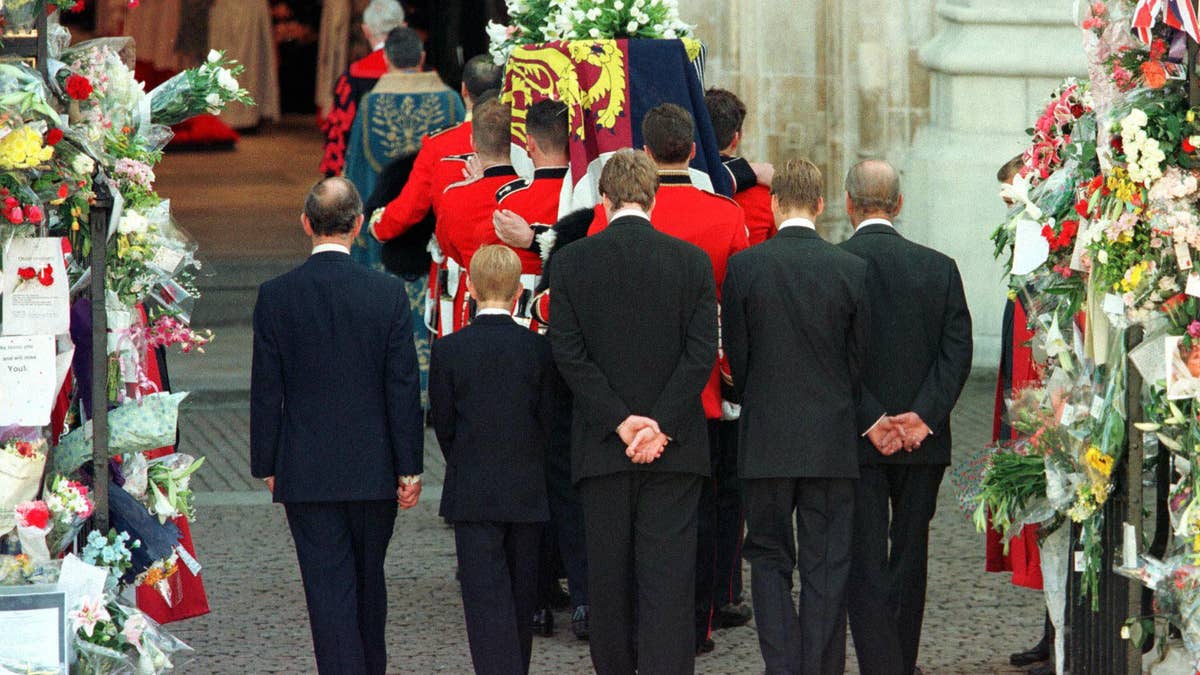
(439, 164)
(537, 202)
(760, 219)
(461, 215)
(712, 222)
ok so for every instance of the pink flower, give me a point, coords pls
(35, 515)
(1193, 329)
(89, 614)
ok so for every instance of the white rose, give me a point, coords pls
(595, 33)
(133, 222)
(83, 165)
(593, 13)
(1102, 256)
(214, 102)
(214, 56)
(618, 5)
(227, 81)
(670, 34)
(632, 27)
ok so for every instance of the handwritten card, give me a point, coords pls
(36, 292)
(27, 380)
(1030, 248)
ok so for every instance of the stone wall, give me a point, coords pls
(944, 90)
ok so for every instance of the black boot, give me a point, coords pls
(1040, 652)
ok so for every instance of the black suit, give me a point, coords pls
(635, 332)
(795, 320)
(919, 359)
(492, 401)
(335, 417)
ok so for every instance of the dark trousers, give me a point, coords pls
(719, 531)
(341, 548)
(813, 640)
(890, 554)
(731, 518)
(498, 566)
(641, 539)
(566, 512)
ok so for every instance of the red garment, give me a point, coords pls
(438, 165)
(760, 219)
(189, 599)
(460, 214)
(712, 222)
(358, 79)
(1023, 558)
(537, 202)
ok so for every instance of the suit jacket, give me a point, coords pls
(491, 398)
(635, 332)
(335, 408)
(920, 347)
(795, 319)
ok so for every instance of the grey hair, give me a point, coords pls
(381, 16)
(873, 185)
(333, 206)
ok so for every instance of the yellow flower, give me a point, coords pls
(1012, 295)
(22, 148)
(1191, 116)
(1102, 463)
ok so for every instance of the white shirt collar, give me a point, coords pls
(798, 222)
(874, 221)
(486, 311)
(629, 211)
(330, 248)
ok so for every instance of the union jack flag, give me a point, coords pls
(1178, 14)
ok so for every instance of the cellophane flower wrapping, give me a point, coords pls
(136, 426)
(204, 89)
(22, 459)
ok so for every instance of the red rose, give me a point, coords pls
(78, 87)
(35, 214)
(77, 7)
(1173, 302)
(54, 136)
(33, 514)
(63, 191)
(1187, 146)
(1077, 110)
(1158, 49)
(26, 273)
(15, 216)
(1081, 207)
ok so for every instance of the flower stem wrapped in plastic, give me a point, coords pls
(206, 89)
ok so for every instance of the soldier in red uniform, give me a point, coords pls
(442, 157)
(467, 206)
(728, 113)
(717, 225)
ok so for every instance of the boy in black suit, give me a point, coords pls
(490, 392)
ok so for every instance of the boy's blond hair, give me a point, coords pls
(495, 273)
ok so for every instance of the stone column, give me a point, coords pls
(992, 64)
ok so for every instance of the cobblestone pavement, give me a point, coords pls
(259, 623)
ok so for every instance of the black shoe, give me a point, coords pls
(1043, 669)
(732, 616)
(705, 646)
(580, 624)
(557, 599)
(543, 623)
(1040, 652)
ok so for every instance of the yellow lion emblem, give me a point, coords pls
(552, 71)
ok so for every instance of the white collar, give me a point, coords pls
(634, 211)
(330, 248)
(798, 222)
(379, 46)
(487, 311)
(874, 221)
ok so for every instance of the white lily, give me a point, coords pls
(1018, 193)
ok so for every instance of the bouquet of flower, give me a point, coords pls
(169, 492)
(21, 570)
(168, 331)
(112, 552)
(112, 638)
(100, 91)
(70, 506)
(539, 21)
(33, 524)
(207, 89)
(22, 457)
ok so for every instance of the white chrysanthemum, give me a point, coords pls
(632, 27)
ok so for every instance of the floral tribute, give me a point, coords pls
(92, 128)
(1103, 236)
(539, 21)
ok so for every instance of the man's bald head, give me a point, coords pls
(333, 207)
(873, 188)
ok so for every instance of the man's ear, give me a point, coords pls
(471, 288)
(899, 205)
(358, 223)
(531, 144)
(306, 224)
(692, 155)
(820, 207)
(849, 205)
(646, 149)
(737, 140)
